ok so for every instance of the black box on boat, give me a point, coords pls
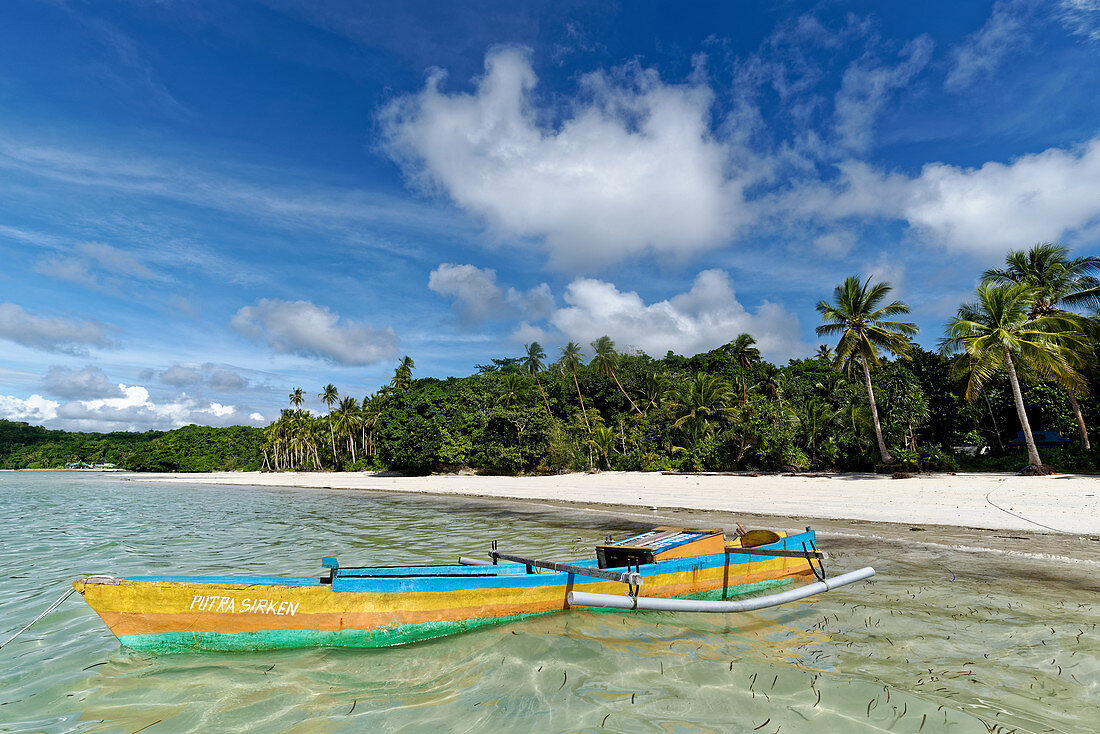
(661, 544)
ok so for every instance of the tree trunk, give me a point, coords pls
(543, 393)
(332, 434)
(1080, 421)
(584, 412)
(886, 457)
(1032, 450)
(351, 443)
(744, 388)
(616, 379)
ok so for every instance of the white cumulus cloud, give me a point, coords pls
(982, 211)
(302, 328)
(633, 169)
(477, 296)
(34, 409)
(701, 319)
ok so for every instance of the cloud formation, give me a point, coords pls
(476, 296)
(50, 334)
(89, 382)
(634, 169)
(866, 88)
(982, 52)
(95, 265)
(705, 317)
(980, 211)
(34, 409)
(307, 330)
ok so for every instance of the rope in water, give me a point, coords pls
(49, 609)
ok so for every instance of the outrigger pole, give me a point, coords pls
(610, 601)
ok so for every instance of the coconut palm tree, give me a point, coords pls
(603, 441)
(571, 360)
(814, 418)
(1059, 281)
(824, 353)
(604, 360)
(654, 388)
(348, 421)
(370, 410)
(742, 352)
(857, 314)
(768, 382)
(297, 398)
(329, 396)
(402, 376)
(997, 332)
(511, 389)
(704, 400)
(534, 365)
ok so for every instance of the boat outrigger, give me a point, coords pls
(664, 568)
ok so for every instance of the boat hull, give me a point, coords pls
(388, 606)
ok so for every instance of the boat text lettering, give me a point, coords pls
(228, 605)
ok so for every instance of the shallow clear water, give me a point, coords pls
(940, 641)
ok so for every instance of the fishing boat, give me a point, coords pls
(378, 606)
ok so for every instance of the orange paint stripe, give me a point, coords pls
(389, 615)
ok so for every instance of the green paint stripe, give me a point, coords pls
(275, 639)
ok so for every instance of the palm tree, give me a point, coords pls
(654, 387)
(814, 417)
(824, 353)
(603, 441)
(704, 401)
(1059, 281)
(329, 396)
(742, 351)
(402, 376)
(604, 360)
(768, 381)
(533, 363)
(511, 388)
(997, 332)
(857, 315)
(348, 421)
(571, 360)
(297, 398)
(370, 410)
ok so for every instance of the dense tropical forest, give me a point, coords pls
(1013, 385)
(191, 448)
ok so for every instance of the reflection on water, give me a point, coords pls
(939, 641)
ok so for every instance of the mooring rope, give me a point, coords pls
(1000, 485)
(49, 609)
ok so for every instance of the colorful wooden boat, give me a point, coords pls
(382, 606)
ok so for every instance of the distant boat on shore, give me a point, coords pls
(86, 466)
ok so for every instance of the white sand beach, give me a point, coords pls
(1065, 503)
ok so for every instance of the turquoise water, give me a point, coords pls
(940, 641)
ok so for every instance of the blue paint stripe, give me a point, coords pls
(506, 575)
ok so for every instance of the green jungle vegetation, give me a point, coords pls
(1023, 356)
(191, 448)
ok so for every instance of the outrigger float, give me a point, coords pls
(672, 569)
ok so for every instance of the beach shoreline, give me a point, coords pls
(1066, 504)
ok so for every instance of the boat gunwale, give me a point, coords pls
(448, 577)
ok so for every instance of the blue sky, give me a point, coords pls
(206, 204)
